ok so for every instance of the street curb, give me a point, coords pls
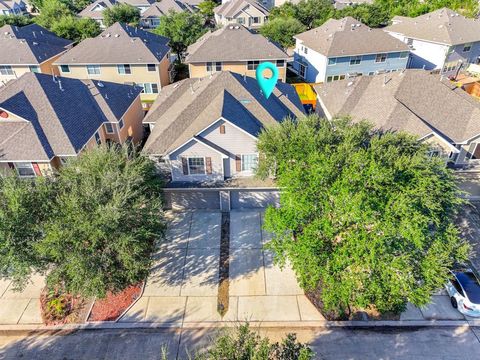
(68, 328)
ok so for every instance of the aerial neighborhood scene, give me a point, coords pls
(240, 179)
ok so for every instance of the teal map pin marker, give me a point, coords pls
(267, 85)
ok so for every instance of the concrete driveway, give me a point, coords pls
(183, 284)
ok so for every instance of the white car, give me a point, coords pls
(464, 290)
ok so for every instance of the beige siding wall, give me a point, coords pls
(195, 149)
(198, 70)
(48, 68)
(133, 123)
(236, 142)
(139, 74)
(249, 13)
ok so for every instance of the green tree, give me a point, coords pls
(93, 226)
(52, 11)
(123, 13)
(16, 20)
(23, 207)
(366, 217)
(371, 15)
(310, 13)
(182, 28)
(76, 29)
(206, 8)
(282, 30)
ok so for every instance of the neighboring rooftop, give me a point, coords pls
(96, 8)
(233, 43)
(413, 100)
(233, 7)
(348, 36)
(29, 45)
(443, 26)
(62, 114)
(185, 108)
(163, 7)
(118, 44)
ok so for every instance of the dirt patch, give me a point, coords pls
(224, 270)
(60, 309)
(114, 304)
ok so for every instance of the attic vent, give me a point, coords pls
(35, 43)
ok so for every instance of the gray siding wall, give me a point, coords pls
(235, 141)
(195, 149)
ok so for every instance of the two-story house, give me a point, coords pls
(249, 13)
(441, 40)
(45, 119)
(233, 48)
(346, 48)
(150, 18)
(95, 10)
(13, 7)
(121, 54)
(414, 101)
(30, 48)
(205, 130)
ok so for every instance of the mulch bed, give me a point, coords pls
(114, 304)
(224, 269)
(75, 308)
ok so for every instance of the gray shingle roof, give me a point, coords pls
(233, 7)
(414, 101)
(187, 107)
(233, 43)
(119, 44)
(96, 14)
(349, 37)
(441, 26)
(163, 7)
(62, 115)
(29, 45)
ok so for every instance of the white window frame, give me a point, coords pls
(6, 70)
(147, 88)
(243, 162)
(282, 65)
(25, 165)
(112, 128)
(121, 124)
(304, 67)
(204, 165)
(122, 69)
(34, 68)
(355, 59)
(213, 66)
(256, 20)
(381, 58)
(252, 64)
(95, 67)
(65, 71)
(332, 61)
(98, 138)
(154, 65)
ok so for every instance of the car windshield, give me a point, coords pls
(471, 286)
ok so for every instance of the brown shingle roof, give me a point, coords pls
(233, 43)
(184, 108)
(441, 26)
(414, 101)
(233, 7)
(97, 14)
(349, 37)
(163, 7)
(29, 45)
(119, 44)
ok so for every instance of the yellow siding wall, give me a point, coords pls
(139, 74)
(133, 123)
(199, 70)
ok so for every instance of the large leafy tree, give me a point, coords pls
(16, 20)
(206, 8)
(124, 13)
(182, 28)
(282, 30)
(365, 216)
(93, 227)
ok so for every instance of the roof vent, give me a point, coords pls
(231, 27)
(108, 35)
(100, 84)
(117, 35)
(237, 27)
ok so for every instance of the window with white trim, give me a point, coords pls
(249, 162)
(404, 54)
(109, 128)
(255, 20)
(196, 165)
(34, 68)
(25, 169)
(355, 60)
(332, 61)
(93, 69)
(64, 68)
(381, 58)
(121, 124)
(302, 70)
(149, 88)
(214, 66)
(124, 69)
(280, 63)
(253, 64)
(98, 138)
(151, 67)
(6, 70)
